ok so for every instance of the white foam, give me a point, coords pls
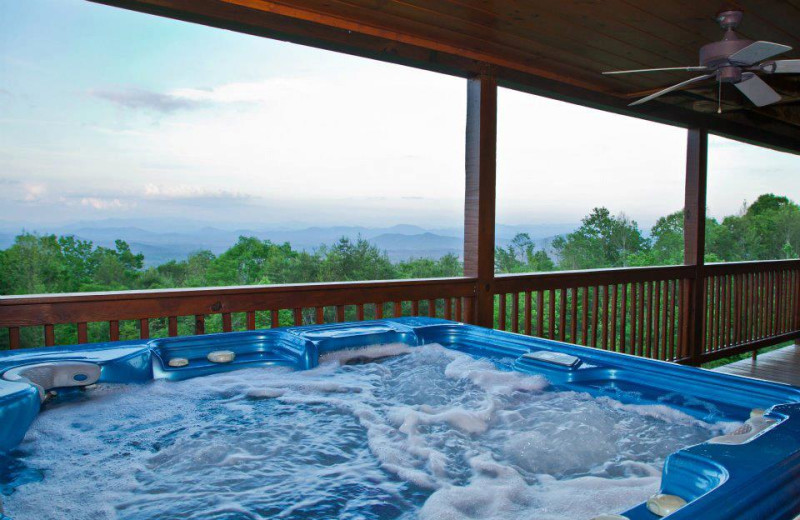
(367, 353)
(670, 415)
(369, 440)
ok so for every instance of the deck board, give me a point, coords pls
(782, 365)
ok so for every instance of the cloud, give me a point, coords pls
(265, 91)
(33, 192)
(136, 98)
(188, 192)
(271, 90)
(105, 204)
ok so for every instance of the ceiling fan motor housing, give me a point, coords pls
(717, 53)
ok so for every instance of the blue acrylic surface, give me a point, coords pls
(759, 479)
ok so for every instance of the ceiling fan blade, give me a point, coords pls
(757, 91)
(670, 89)
(781, 67)
(692, 68)
(757, 51)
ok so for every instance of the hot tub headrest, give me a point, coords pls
(55, 374)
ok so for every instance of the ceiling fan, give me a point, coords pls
(732, 60)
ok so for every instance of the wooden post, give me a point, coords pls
(479, 200)
(694, 234)
(796, 279)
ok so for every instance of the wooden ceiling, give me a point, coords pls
(556, 48)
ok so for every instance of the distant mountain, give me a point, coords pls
(401, 241)
(425, 245)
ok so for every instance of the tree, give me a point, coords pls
(602, 240)
(445, 267)
(359, 260)
(521, 256)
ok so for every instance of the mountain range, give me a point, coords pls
(176, 240)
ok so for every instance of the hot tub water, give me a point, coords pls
(431, 434)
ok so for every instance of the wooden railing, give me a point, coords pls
(640, 311)
(749, 304)
(232, 308)
(649, 311)
(652, 312)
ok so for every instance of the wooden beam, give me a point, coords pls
(694, 233)
(479, 200)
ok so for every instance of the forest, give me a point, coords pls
(767, 229)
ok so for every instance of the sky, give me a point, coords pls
(111, 114)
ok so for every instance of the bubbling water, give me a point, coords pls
(430, 433)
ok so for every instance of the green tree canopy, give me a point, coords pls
(602, 240)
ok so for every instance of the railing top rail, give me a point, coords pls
(564, 279)
(230, 290)
(126, 305)
(751, 266)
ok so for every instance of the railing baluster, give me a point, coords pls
(340, 313)
(752, 307)
(708, 314)
(113, 330)
(562, 319)
(641, 326)
(199, 324)
(415, 308)
(634, 315)
(83, 336)
(540, 313)
(673, 288)
(379, 310)
(528, 315)
(459, 310)
(573, 317)
(515, 312)
(623, 322)
(397, 309)
(319, 315)
(172, 326)
(360, 312)
(469, 309)
(791, 289)
(297, 313)
(726, 311)
(662, 302)
(757, 307)
(684, 288)
(431, 308)
(655, 297)
(652, 334)
(737, 309)
(501, 313)
(604, 323)
(585, 316)
(718, 310)
(13, 338)
(49, 336)
(227, 326)
(613, 325)
(251, 320)
(144, 328)
(595, 308)
(274, 319)
(765, 307)
(551, 316)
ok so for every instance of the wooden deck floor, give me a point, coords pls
(782, 365)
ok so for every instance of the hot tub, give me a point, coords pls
(396, 418)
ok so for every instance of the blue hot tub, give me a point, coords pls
(749, 472)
